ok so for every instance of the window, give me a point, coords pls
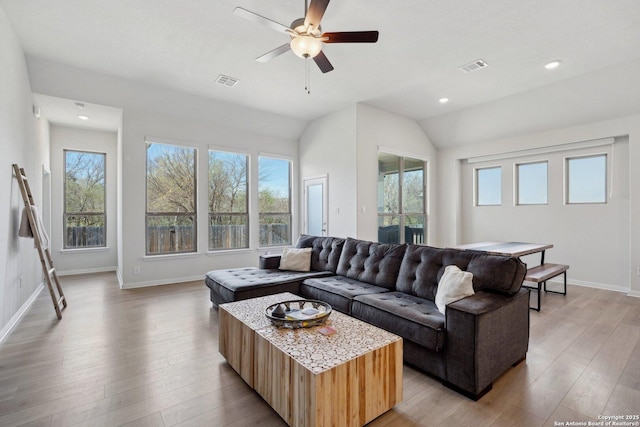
(401, 199)
(171, 199)
(84, 199)
(228, 202)
(274, 201)
(586, 179)
(488, 186)
(532, 183)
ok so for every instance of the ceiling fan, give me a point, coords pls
(306, 34)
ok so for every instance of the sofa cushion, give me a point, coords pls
(236, 284)
(338, 291)
(296, 259)
(413, 318)
(423, 266)
(454, 285)
(374, 263)
(325, 251)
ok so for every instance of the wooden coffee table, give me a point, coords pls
(347, 379)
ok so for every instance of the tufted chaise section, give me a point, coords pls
(236, 284)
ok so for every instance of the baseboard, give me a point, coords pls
(635, 294)
(85, 271)
(604, 286)
(171, 281)
(4, 333)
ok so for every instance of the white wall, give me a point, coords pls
(82, 260)
(607, 254)
(168, 269)
(572, 229)
(23, 141)
(345, 146)
(328, 147)
(164, 113)
(381, 129)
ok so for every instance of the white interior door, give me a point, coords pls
(315, 206)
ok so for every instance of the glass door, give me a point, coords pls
(315, 206)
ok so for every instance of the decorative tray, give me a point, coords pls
(301, 313)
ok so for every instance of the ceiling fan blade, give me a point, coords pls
(315, 12)
(246, 14)
(322, 62)
(351, 37)
(275, 52)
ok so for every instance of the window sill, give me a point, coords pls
(84, 250)
(230, 251)
(164, 257)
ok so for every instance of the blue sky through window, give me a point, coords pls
(489, 186)
(532, 183)
(587, 179)
(274, 174)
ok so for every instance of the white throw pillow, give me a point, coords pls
(454, 284)
(296, 259)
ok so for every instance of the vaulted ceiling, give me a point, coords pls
(422, 44)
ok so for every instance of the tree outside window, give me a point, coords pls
(171, 199)
(274, 201)
(228, 202)
(84, 199)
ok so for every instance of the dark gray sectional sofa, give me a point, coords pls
(394, 286)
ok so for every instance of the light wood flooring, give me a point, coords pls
(149, 357)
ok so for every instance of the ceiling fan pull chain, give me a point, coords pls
(307, 77)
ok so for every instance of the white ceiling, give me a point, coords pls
(66, 112)
(186, 45)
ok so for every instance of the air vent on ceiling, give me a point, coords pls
(473, 66)
(226, 80)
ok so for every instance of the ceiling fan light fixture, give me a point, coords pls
(306, 46)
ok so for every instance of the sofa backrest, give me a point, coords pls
(374, 263)
(423, 266)
(325, 251)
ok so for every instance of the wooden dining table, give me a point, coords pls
(514, 249)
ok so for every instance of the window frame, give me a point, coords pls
(65, 214)
(567, 179)
(516, 183)
(401, 214)
(290, 201)
(194, 215)
(246, 214)
(476, 186)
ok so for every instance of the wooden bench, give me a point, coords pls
(541, 273)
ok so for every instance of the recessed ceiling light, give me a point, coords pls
(551, 65)
(443, 100)
(83, 117)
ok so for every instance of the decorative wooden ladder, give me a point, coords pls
(45, 255)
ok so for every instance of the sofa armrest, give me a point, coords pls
(269, 262)
(486, 334)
